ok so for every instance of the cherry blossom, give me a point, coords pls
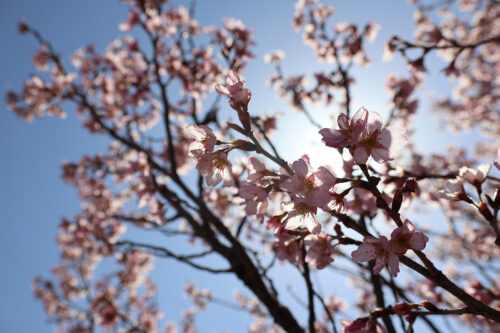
(454, 190)
(377, 249)
(155, 186)
(240, 97)
(377, 141)
(475, 176)
(300, 213)
(349, 132)
(405, 237)
(215, 167)
(320, 250)
(204, 140)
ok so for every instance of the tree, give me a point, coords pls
(178, 167)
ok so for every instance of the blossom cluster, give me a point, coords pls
(385, 251)
(364, 135)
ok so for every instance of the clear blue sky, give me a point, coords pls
(33, 198)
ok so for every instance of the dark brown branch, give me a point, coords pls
(310, 291)
(163, 252)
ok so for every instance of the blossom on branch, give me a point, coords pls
(405, 237)
(204, 139)
(477, 176)
(320, 250)
(215, 167)
(377, 249)
(365, 137)
(239, 96)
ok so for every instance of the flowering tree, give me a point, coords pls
(178, 166)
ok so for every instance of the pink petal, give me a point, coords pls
(326, 176)
(301, 167)
(360, 115)
(365, 252)
(227, 175)
(393, 264)
(222, 89)
(374, 122)
(213, 178)
(333, 138)
(409, 226)
(418, 241)
(360, 155)
(294, 220)
(398, 137)
(312, 224)
(379, 264)
(381, 155)
(343, 121)
(318, 197)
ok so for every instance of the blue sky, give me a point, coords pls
(33, 198)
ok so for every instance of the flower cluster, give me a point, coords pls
(213, 166)
(385, 251)
(309, 190)
(364, 136)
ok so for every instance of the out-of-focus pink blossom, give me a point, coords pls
(389, 49)
(215, 167)
(240, 97)
(275, 223)
(204, 139)
(320, 250)
(475, 176)
(454, 191)
(377, 249)
(371, 30)
(287, 247)
(301, 213)
(405, 237)
(362, 325)
(274, 57)
(22, 27)
(404, 309)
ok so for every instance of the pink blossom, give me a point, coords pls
(287, 247)
(256, 187)
(300, 213)
(204, 139)
(320, 250)
(311, 186)
(404, 309)
(255, 197)
(274, 57)
(365, 135)
(454, 191)
(377, 141)
(275, 223)
(390, 48)
(377, 249)
(215, 167)
(405, 237)
(371, 30)
(240, 97)
(475, 176)
(257, 170)
(362, 325)
(349, 131)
